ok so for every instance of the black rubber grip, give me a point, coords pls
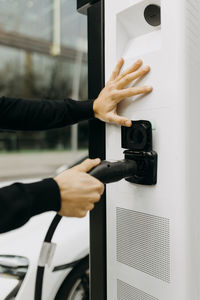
(108, 172)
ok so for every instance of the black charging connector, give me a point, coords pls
(140, 162)
(138, 137)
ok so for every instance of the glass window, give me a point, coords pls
(43, 50)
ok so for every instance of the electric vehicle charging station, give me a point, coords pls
(145, 239)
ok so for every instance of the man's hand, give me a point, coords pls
(79, 190)
(105, 106)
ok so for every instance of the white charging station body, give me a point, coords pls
(153, 232)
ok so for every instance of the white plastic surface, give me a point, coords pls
(173, 52)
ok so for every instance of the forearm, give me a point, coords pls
(22, 114)
(19, 202)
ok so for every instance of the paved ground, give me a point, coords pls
(35, 165)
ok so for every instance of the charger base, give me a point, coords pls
(146, 167)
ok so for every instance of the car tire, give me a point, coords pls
(76, 284)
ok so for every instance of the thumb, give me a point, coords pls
(88, 164)
(120, 120)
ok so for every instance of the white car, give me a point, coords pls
(31, 269)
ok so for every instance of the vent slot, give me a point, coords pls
(143, 242)
(128, 292)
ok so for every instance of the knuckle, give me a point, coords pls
(128, 77)
(110, 85)
(88, 160)
(82, 214)
(102, 187)
(91, 207)
(98, 197)
(119, 77)
(113, 94)
(109, 119)
(122, 122)
(122, 83)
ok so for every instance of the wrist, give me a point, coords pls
(56, 179)
(95, 108)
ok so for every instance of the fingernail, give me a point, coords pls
(97, 160)
(139, 61)
(128, 123)
(146, 68)
(149, 88)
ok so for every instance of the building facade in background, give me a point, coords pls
(43, 50)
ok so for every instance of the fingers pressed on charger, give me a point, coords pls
(117, 69)
(122, 121)
(135, 66)
(129, 92)
(132, 76)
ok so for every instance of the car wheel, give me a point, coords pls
(76, 284)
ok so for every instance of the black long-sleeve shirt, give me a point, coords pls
(19, 202)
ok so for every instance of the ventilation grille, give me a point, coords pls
(143, 243)
(128, 292)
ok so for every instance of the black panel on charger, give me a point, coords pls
(138, 137)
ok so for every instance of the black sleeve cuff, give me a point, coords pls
(80, 110)
(45, 196)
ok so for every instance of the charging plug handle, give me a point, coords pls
(137, 167)
(108, 172)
